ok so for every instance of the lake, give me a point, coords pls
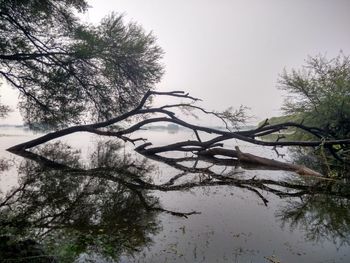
(100, 204)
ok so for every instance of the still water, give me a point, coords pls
(94, 200)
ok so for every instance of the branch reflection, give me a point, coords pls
(67, 206)
(72, 207)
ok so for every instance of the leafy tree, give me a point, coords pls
(319, 94)
(68, 72)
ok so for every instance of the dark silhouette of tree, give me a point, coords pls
(67, 72)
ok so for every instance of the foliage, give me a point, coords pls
(68, 72)
(319, 94)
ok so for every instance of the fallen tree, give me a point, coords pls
(211, 148)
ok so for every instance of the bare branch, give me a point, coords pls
(210, 148)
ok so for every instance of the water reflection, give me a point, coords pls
(68, 207)
(71, 207)
(319, 208)
(320, 216)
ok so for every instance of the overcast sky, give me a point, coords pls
(231, 52)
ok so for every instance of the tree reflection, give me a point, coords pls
(319, 207)
(69, 207)
(320, 216)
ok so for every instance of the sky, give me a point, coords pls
(231, 52)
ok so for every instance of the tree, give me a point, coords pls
(319, 95)
(68, 72)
